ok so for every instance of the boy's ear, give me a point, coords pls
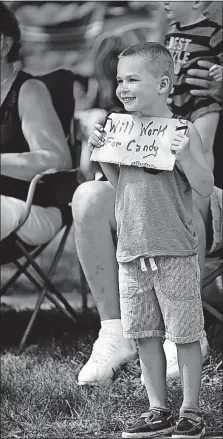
(6, 44)
(164, 85)
(197, 4)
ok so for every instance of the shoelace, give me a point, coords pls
(193, 419)
(153, 413)
(104, 348)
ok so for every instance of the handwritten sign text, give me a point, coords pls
(138, 141)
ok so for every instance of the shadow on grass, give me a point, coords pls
(49, 324)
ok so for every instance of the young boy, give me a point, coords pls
(157, 247)
(192, 37)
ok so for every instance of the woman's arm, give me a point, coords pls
(43, 132)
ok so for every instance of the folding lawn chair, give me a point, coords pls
(64, 183)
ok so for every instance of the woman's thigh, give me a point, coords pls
(11, 214)
(41, 226)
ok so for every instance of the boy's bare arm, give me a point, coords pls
(189, 154)
(97, 140)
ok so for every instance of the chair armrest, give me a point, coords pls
(32, 187)
(29, 200)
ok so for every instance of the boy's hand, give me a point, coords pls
(97, 138)
(180, 146)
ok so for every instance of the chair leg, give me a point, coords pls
(212, 276)
(46, 280)
(56, 298)
(30, 277)
(33, 317)
(83, 288)
(207, 281)
(36, 310)
(22, 268)
(212, 310)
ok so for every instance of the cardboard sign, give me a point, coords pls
(138, 141)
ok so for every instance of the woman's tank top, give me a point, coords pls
(12, 140)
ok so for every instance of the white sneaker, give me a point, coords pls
(171, 357)
(109, 352)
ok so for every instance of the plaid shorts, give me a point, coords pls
(160, 297)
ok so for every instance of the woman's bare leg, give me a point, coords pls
(93, 209)
(94, 219)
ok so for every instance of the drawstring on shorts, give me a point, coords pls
(152, 264)
(143, 265)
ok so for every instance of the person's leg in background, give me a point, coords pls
(41, 225)
(93, 209)
(11, 214)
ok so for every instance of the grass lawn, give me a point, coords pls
(39, 393)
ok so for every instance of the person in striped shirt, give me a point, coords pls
(192, 37)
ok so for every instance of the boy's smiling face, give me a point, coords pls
(178, 11)
(137, 88)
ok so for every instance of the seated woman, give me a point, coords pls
(95, 229)
(32, 141)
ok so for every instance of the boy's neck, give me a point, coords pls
(158, 110)
(194, 19)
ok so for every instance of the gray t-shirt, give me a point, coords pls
(154, 214)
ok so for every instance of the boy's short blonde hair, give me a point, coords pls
(157, 58)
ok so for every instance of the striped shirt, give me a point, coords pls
(187, 45)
